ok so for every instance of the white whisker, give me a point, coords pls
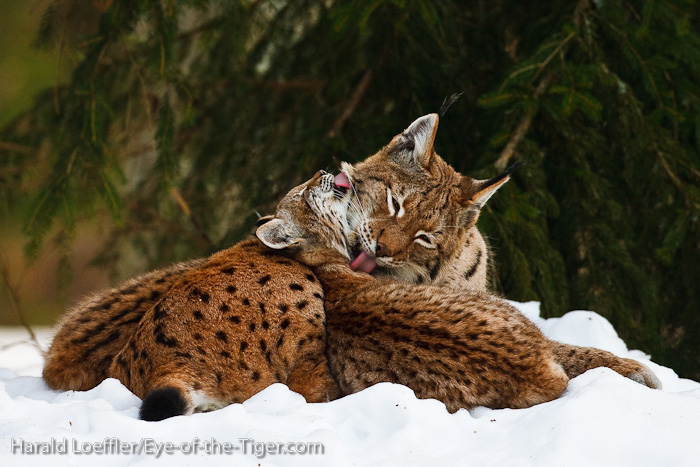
(359, 203)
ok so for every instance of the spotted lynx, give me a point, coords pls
(465, 348)
(234, 324)
(104, 327)
(422, 226)
(91, 334)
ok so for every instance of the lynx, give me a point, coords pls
(422, 228)
(465, 348)
(92, 333)
(408, 216)
(237, 322)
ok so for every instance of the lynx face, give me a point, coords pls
(414, 216)
(310, 222)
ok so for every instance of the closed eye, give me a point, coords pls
(425, 239)
(390, 200)
(395, 206)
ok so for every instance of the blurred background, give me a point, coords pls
(25, 71)
(137, 133)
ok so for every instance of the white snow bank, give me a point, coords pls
(19, 353)
(602, 419)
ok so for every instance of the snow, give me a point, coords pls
(602, 419)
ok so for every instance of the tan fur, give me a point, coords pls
(438, 200)
(465, 348)
(92, 334)
(94, 331)
(89, 335)
(243, 319)
(577, 360)
(218, 330)
(431, 194)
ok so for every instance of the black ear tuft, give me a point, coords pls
(514, 167)
(505, 174)
(447, 102)
(163, 403)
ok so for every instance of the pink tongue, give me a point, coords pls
(364, 263)
(342, 180)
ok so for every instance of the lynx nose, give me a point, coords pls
(382, 250)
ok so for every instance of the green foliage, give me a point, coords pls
(184, 118)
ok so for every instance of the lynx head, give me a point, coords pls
(310, 222)
(410, 210)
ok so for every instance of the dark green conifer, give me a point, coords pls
(185, 117)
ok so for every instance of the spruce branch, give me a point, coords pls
(675, 179)
(522, 128)
(283, 85)
(540, 67)
(637, 55)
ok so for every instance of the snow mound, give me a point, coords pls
(602, 419)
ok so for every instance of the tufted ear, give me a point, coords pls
(277, 234)
(475, 194)
(415, 145)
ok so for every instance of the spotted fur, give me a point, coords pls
(91, 334)
(441, 206)
(202, 334)
(465, 348)
(81, 355)
(241, 320)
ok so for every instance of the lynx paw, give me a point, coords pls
(645, 376)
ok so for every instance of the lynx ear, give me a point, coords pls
(263, 220)
(275, 233)
(415, 144)
(475, 194)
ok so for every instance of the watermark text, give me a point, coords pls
(152, 447)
